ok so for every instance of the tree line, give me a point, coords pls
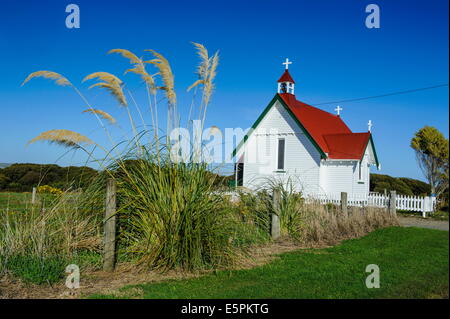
(23, 177)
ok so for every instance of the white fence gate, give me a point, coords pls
(402, 202)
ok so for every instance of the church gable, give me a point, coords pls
(328, 133)
(277, 100)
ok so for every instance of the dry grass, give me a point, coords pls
(60, 229)
(327, 225)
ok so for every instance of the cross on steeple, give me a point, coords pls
(369, 125)
(287, 63)
(338, 109)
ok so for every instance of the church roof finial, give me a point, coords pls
(286, 77)
(287, 63)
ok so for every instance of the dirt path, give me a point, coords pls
(423, 223)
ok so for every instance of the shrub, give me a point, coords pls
(46, 189)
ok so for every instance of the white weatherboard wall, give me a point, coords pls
(302, 160)
(343, 176)
(337, 176)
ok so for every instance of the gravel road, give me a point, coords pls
(423, 223)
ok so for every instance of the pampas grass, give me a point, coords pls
(169, 213)
(63, 137)
(102, 114)
(165, 71)
(209, 83)
(111, 83)
(139, 68)
(206, 72)
(58, 78)
(127, 54)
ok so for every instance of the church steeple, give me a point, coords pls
(286, 82)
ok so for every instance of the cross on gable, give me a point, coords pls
(287, 63)
(338, 109)
(369, 125)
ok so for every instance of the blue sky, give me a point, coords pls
(335, 58)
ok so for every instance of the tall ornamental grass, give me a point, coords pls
(170, 215)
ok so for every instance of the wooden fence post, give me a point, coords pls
(109, 252)
(392, 204)
(275, 225)
(344, 204)
(33, 196)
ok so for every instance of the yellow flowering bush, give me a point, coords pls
(46, 189)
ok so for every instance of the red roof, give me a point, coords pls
(347, 146)
(286, 77)
(328, 130)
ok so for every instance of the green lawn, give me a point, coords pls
(413, 263)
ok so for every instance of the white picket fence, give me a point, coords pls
(423, 204)
(402, 202)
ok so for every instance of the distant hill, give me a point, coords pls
(402, 185)
(3, 165)
(23, 177)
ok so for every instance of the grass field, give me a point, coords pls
(14, 201)
(413, 263)
(18, 202)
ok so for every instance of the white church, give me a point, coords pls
(312, 149)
